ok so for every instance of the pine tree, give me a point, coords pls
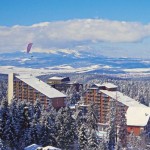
(91, 117)
(66, 128)
(136, 142)
(4, 114)
(35, 128)
(27, 137)
(122, 133)
(8, 133)
(2, 145)
(37, 109)
(47, 132)
(112, 129)
(52, 113)
(82, 137)
(20, 122)
(93, 140)
(103, 145)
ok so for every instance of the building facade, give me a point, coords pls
(107, 98)
(30, 88)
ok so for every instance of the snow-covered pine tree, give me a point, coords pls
(9, 135)
(37, 109)
(61, 138)
(136, 142)
(93, 140)
(81, 91)
(65, 128)
(44, 140)
(35, 129)
(4, 113)
(71, 129)
(112, 129)
(73, 95)
(47, 130)
(2, 145)
(21, 122)
(27, 137)
(122, 133)
(3, 89)
(91, 117)
(52, 113)
(82, 137)
(103, 145)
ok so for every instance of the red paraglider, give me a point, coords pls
(29, 47)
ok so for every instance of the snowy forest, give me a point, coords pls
(23, 123)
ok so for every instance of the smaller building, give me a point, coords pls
(63, 83)
(57, 80)
(105, 86)
(138, 120)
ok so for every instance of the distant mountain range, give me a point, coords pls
(71, 59)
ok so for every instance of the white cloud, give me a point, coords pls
(63, 34)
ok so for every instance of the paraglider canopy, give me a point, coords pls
(29, 47)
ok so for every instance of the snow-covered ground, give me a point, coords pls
(137, 70)
(49, 70)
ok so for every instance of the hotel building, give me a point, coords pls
(106, 97)
(30, 88)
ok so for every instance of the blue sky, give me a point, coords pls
(104, 26)
(27, 12)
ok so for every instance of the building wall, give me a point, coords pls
(135, 129)
(58, 102)
(139, 129)
(103, 103)
(54, 82)
(58, 81)
(65, 86)
(10, 87)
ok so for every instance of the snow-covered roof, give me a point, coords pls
(50, 148)
(97, 84)
(93, 88)
(35, 147)
(72, 106)
(32, 147)
(109, 85)
(40, 86)
(70, 82)
(84, 105)
(101, 134)
(138, 116)
(123, 98)
(56, 78)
